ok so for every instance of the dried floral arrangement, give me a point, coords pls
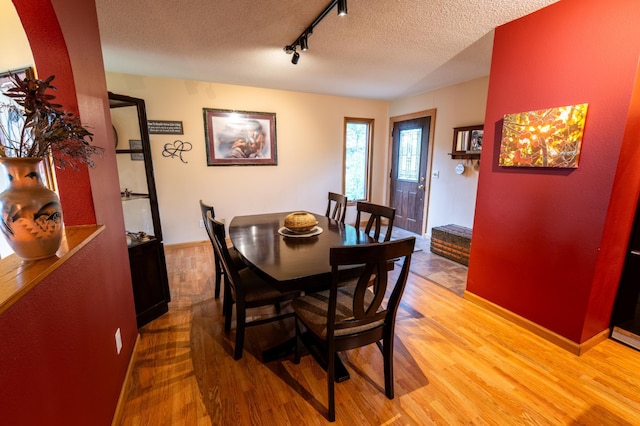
(32, 126)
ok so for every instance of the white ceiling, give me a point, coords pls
(383, 49)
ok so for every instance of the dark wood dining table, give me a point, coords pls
(288, 263)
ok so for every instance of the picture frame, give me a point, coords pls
(5, 76)
(546, 138)
(240, 138)
(136, 145)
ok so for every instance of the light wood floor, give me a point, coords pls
(455, 363)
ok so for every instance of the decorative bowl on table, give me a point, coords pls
(300, 222)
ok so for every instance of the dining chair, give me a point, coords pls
(204, 208)
(219, 270)
(245, 289)
(343, 318)
(377, 213)
(339, 209)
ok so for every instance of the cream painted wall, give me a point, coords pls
(309, 147)
(452, 197)
(16, 52)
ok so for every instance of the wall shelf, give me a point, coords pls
(467, 142)
(19, 277)
(140, 209)
(465, 156)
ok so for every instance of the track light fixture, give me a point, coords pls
(342, 7)
(303, 40)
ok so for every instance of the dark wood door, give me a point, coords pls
(408, 172)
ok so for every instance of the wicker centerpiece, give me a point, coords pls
(300, 221)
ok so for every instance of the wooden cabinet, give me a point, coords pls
(140, 208)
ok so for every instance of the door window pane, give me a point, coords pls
(409, 155)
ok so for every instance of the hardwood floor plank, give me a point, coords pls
(455, 363)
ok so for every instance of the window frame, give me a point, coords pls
(370, 123)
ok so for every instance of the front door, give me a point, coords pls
(408, 172)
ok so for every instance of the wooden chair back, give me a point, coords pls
(367, 310)
(204, 209)
(336, 207)
(379, 215)
(229, 269)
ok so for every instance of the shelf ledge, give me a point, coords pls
(18, 277)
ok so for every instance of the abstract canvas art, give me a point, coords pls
(544, 138)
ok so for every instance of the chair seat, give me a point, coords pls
(257, 291)
(312, 310)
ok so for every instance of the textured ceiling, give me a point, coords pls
(384, 49)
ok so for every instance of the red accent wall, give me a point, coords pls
(52, 57)
(57, 348)
(548, 244)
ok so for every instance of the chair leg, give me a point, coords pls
(240, 325)
(387, 354)
(296, 359)
(331, 373)
(227, 307)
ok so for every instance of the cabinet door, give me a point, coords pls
(149, 278)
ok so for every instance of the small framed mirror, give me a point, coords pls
(467, 141)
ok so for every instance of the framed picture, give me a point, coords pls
(5, 77)
(549, 137)
(136, 145)
(476, 140)
(240, 138)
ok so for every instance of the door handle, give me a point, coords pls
(421, 187)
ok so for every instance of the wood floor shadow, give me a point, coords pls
(437, 269)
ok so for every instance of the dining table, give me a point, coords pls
(290, 261)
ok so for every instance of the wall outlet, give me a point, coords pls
(118, 341)
(201, 223)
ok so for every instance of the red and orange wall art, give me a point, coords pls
(544, 138)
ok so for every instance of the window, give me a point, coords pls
(409, 154)
(358, 134)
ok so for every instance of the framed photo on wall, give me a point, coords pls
(240, 138)
(5, 77)
(136, 147)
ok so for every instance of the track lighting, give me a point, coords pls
(303, 39)
(342, 7)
